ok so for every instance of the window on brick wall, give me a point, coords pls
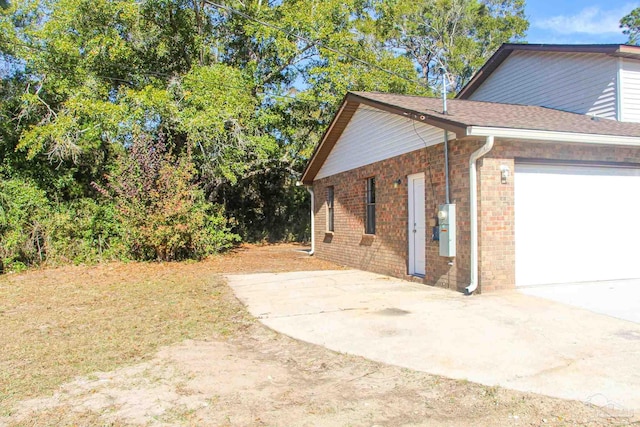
(330, 208)
(370, 213)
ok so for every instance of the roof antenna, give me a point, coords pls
(444, 90)
(446, 136)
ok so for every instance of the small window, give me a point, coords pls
(370, 214)
(330, 208)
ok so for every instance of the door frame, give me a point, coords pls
(410, 219)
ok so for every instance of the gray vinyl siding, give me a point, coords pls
(580, 83)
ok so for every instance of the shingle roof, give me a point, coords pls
(464, 116)
(465, 113)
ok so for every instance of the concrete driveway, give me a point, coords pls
(616, 298)
(508, 339)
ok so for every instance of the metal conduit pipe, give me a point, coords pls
(473, 211)
(446, 167)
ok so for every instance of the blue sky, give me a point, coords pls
(577, 21)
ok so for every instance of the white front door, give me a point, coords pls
(417, 226)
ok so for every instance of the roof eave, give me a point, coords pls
(350, 104)
(485, 71)
(321, 152)
(552, 136)
(420, 116)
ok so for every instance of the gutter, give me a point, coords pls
(313, 222)
(553, 136)
(473, 211)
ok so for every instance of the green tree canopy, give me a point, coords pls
(453, 35)
(239, 91)
(630, 25)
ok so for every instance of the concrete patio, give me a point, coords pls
(508, 339)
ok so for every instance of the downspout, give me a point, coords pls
(313, 222)
(473, 211)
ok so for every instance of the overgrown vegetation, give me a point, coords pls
(162, 214)
(162, 129)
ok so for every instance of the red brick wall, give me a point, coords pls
(387, 253)
(496, 201)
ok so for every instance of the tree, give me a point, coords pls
(453, 35)
(96, 75)
(243, 90)
(630, 25)
(300, 56)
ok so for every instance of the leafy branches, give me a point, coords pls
(163, 213)
(204, 112)
(455, 35)
(630, 25)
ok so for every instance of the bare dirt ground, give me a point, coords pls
(243, 374)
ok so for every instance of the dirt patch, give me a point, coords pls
(268, 259)
(262, 378)
(243, 374)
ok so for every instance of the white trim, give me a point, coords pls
(544, 135)
(313, 219)
(619, 90)
(410, 218)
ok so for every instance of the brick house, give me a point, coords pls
(543, 165)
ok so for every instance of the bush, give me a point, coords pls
(24, 209)
(154, 211)
(33, 230)
(267, 206)
(164, 214)
(83, 231)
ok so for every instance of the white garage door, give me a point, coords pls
(576, 223)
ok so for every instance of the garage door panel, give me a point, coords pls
(575, 223)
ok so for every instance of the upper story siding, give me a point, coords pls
(629, 90)
(583, 83)
(373, 135)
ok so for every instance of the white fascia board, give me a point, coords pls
(544, 135)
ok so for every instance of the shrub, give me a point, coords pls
(33, 230)
(23, 211)
(84, 231)
(164, 214)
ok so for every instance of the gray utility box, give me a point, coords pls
(447, 221)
